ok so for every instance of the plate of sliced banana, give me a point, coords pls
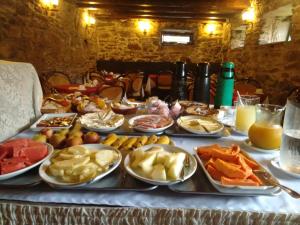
(121, 142)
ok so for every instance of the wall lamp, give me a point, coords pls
(210, 28)
(144, 26)
(248, 15)
(50, 4)
(88, 20)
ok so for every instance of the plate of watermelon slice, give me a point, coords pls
(17, 156)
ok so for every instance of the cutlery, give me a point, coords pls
(268, 177)
(186, 165)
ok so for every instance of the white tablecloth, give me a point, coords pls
(163, 198)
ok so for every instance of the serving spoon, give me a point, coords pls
(268, 177)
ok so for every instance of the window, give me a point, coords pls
(176, 37)
(277, 26)
(238, 36)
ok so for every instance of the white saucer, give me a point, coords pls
(238, 132)
(248, 143)
(275, 162)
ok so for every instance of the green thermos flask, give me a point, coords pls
(225, 85)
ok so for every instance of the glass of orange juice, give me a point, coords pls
(266, 132)
(245, 114)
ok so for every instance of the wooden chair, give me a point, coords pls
(247, 86)
(137, 86)
(114, 93)
(164, 80)
(51, 79)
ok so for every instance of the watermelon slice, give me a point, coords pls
(35, 153)
(21, 142)
(8, 168)
(17, 154)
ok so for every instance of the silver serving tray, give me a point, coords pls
(28, 179)
(116, 181)
(198, 184)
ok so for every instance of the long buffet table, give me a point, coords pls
(42, 204)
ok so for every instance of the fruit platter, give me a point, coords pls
(160, 164)
(80, 165)
(17, 156)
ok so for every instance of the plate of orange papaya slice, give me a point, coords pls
(231, 170)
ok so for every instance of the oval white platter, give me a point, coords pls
(149, 130)
(181, 119)
(55, 182)
(24, 170)
(104, 128)
(275, 162)
(190, 171)
(248, 143)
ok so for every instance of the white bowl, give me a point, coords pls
(191, 170)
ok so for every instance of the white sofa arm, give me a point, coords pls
(21, 97)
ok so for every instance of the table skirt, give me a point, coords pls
(15, 212)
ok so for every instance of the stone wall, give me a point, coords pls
(276, 66)
(50, 40)
(57, 40)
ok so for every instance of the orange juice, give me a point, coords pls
(266, 136)
(245, 117)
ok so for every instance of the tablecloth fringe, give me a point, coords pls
(21, 213)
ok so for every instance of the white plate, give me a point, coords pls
(149, 130)
(184, 118)
(168, 148)
(52, 115)
(234, 188)
(238, 132)
(104, 129)
(227, 121)
(55, 182)
(275, 162)
(248, 143)
(24, 170)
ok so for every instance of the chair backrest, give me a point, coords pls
(164, 80)
(247, 86)
(51, 79)
(114, 93)
(58, 78)
(137, 85)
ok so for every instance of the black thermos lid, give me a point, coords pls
(203, 69)
(180, 69)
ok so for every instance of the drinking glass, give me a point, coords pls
(266, 132)
(290, 146)
(245, 112)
